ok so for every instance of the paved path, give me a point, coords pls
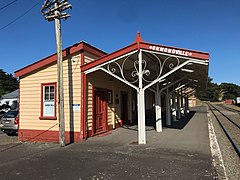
(180, 152)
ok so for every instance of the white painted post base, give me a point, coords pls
(158, 119)
(141, 118)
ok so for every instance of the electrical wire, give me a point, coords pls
(13, 21)
(8, 5)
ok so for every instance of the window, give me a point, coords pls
(109, 96)
(48, 101)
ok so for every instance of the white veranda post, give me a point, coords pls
(158, 110)
(168, 109)
(182, 107)
(174, 113)
(141, 104)
(178, 107)
(185, 105)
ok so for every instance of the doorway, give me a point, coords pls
(100, 111)
(124, 108)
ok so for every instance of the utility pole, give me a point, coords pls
(53, 11)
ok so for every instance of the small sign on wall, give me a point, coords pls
(76, 107)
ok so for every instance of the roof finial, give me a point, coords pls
(138, 38)
(138, 34)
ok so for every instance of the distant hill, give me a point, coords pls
(215, 92)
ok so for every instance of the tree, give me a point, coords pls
(7, 83)
(215, 92)
(212, 93)
(230, 91)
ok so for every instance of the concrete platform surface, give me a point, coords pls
(179, 152)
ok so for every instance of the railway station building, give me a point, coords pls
(142, 84)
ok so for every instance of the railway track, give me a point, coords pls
(230, 125)
(230, 109)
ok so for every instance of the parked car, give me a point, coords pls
(237, 101)
(9, 122)
(1, 114)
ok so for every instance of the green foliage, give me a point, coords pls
(230, 90)
(212, 93)
(215, 92)
(7, 83)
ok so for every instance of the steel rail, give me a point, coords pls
(230, 109)
(237, 149)
(226, 117)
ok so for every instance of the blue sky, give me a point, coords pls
(207, 25)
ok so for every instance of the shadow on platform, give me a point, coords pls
(180, 124)
(151, 123)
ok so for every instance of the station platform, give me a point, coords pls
(181, 151)
(188, 134)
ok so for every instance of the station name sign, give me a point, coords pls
(170, 50)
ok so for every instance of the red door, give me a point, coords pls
(100, 119)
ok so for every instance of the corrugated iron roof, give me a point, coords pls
(11, 95)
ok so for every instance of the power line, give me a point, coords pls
(13, 21)
(8, 5)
